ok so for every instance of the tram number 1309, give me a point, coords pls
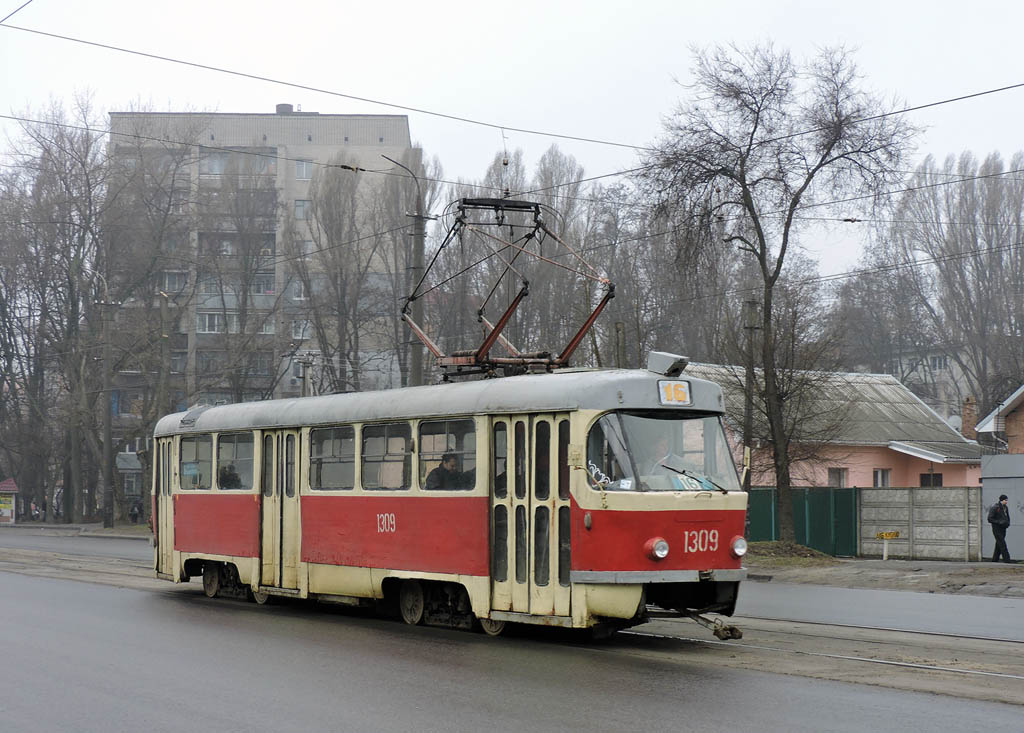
(702, 540)
(385, 523)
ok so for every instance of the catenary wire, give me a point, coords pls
(320, 90)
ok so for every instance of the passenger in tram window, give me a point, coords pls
(229, 478)
(448, 476)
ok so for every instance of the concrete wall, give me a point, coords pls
(1004, 475)
(934, 524)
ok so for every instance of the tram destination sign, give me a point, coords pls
(673, 392)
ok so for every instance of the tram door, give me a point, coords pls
(279, 534)
(164, 515)
(530, 515)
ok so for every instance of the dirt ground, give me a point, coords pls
(776, 562)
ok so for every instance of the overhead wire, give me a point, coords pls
(320, 90)
(15, 11)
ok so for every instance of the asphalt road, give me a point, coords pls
(88, 657)
(963, 615)
(1001, 618)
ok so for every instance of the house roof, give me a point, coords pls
(849, 408)
(996, 420)
(7, 486)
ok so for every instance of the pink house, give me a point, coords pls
(859, 430)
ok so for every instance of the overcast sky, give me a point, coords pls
(600, 69)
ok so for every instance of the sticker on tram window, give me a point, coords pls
(673, 392)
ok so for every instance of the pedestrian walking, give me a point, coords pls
(999, 518)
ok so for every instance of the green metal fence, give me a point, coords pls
(824, 518)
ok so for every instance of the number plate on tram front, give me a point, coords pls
(673, 392)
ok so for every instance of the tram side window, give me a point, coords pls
(332, 458)
(234, 461)
(196, 462)
(448, 454)
(499, 460)
(387, 456)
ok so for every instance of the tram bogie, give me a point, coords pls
(575, 499)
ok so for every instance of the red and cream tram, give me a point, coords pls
(576, 499)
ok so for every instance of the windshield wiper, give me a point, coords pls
(695, 476)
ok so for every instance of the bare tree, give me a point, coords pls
(967, 285)
(764, 138)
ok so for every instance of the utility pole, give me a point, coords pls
(620, 345)
(306, 360)
(419, 236)
(108, 453)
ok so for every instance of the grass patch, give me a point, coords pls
(786, 555)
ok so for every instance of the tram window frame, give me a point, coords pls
(542, 460)
(456, 433)
(519, 434)
(191, 452)
(243, 464)
(499, 460)
(340, 464)
(563, 459)
(372, 464)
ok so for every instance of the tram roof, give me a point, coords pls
(559, 391)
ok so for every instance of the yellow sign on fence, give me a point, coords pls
(888, 535)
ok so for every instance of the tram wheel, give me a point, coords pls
(492, 627)
(258, 597)
(211, 579)
(410, 602)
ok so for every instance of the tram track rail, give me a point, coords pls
(945, 634)
(826, 655)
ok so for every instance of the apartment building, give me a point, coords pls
(216, 219)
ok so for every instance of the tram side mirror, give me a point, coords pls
(671, 365)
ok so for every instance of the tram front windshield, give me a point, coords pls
(660, 451)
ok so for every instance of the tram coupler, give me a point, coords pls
(720, 630)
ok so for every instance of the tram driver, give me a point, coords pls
(448, 476)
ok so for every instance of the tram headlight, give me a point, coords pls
(656, 548)
(738, 546)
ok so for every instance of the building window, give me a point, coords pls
(179, 361)
(210, 323)
(214, 164)
(174, 282)
(300, 330)
(332, 458)
(267, 326)
(302, 209)
(931, 480)
(837, 478)
(132, 484)
(299, 291)
(260, 363)
(263, 283)
(387, 456)
(882, 477)
(938, 363)
(207, 362)
(303, 170)
(132, 446)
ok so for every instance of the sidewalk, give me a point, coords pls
(924, 576)
(138, 531)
